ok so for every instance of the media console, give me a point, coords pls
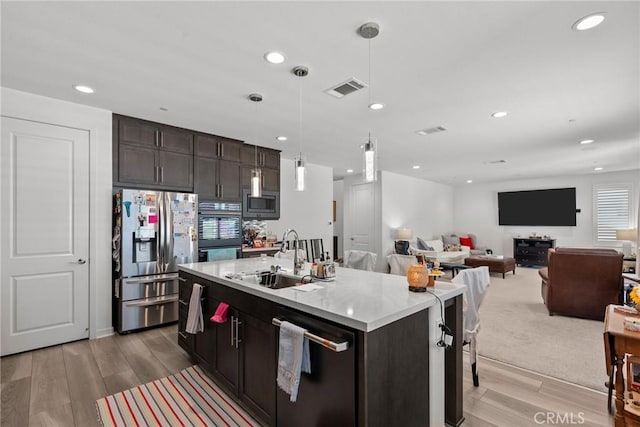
(532, 252)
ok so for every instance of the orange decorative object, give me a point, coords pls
(418, 278)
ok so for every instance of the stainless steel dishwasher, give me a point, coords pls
(326, 396)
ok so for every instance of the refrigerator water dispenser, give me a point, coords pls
(144, 246)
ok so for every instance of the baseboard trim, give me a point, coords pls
(106, 332)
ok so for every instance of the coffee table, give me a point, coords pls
(496, 264)
(455, 267)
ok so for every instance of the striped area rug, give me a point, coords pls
(188, 398)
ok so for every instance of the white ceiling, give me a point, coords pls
(447, 64)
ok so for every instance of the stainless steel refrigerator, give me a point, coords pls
(153, 232)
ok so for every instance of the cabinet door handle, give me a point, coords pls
(184, 336)
(183, 302)
(221, 149)
(217, 149)
(222, 191)
(162, 174)
(161, 139)
(232, 322)
(238, 340)
(182, 279)
(155, 174)
(156, 138)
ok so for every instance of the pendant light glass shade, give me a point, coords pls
(256, 182)
(300, 173)
(369, 159)
(256, 172)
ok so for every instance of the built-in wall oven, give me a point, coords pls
(219, 230)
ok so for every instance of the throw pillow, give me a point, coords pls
(467, 241)
(422, 245)
(451, 240)
(452, 248)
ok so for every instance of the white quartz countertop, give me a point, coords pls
(362, 300)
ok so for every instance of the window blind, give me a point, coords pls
(613, 210)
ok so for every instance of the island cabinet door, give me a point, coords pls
(327, 395)
(226, 359)
(258, 367)
(205, 341)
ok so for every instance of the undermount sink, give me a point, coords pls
(281, 281)
(271, 280)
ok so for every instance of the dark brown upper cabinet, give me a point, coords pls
(152, 155)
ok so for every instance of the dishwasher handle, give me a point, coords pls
(331, 345)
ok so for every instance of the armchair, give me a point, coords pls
(581, 282)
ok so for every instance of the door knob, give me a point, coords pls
(82, 261)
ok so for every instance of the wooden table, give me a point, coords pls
(617, 343)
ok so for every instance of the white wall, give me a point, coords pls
(338, 225)
(308, 212)
(476, 209)
(425, 207)
(98, 122)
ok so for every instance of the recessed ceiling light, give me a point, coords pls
(281, 138)
(274, 57)
(598, 168)
(376, 106)
(164, 109)
(416, 167)
(589, 21)
(499, 114)
(83, 88)
(349, 170)
(586, 141)
(469, 181)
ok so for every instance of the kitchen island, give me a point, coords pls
(379, 363)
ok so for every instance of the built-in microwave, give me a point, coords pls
(267, 206)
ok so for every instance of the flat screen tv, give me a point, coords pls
(553, 207)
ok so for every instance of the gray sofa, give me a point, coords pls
(476, 250)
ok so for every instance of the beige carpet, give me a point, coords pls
(517, 329)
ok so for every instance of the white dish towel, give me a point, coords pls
(195, 320)
(293, 358)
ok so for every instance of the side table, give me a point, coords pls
(617, 343)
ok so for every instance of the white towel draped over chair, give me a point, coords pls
(360, 260)
(476, 281)
(399, 264)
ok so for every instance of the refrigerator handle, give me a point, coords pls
(160, 239)
(169, 247)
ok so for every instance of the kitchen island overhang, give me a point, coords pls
(379, 309)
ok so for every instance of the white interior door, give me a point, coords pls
(362, 216)
(44, 217)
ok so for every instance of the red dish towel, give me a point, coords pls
(220, 315)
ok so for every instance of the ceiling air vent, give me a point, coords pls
(432, 130)
(346, 87)
(496, 162)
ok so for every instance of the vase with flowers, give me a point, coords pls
(634, 296)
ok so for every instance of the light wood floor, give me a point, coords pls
(58, 386)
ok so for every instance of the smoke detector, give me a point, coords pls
(255, 97)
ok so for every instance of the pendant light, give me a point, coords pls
(369, 168)
(300, 170)
(256, 172)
